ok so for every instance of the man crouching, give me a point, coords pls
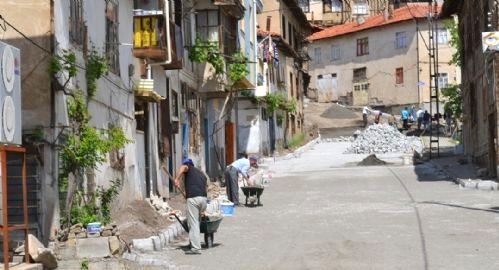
(195, 193)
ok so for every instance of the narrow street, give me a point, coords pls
(322, 212)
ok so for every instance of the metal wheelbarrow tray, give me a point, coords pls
(253, 191)
(208, 226)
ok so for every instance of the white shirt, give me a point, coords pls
(365, 110)
(419, 113)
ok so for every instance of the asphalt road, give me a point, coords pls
(321, 213)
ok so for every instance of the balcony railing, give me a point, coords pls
(149, 40)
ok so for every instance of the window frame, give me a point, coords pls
(317, 55)
(203, 28)
(440, 37)
(326, 4)
(399, 75)
(283, 26)
(112, 36)
(76, 22)
(401, 40)
(360, 7)
(360, 74)
(443, 80)
(335, 52)
(304, 5)
(363, 46)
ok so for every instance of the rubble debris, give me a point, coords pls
(371, 160)
(38, 253)
(383, 138)
(160, 205)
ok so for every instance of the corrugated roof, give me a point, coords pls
(406, 13)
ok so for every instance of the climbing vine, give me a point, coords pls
(84, 147)
(209, 52)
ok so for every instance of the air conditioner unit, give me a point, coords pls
(10, 95)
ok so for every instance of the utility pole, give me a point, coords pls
(434, 76)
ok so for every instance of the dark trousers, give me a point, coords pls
(232, 184)
(405, 123)
(420, 122)
(364, 119)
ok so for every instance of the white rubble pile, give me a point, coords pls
(383, 138)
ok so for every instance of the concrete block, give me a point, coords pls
(487, 185)
(162, 240)
(144, 244)
(32, 266)
(92, 248)
(156, 243)
(130, 256)
(114, 245)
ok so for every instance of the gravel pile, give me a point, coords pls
(337, 111)
(383, 138)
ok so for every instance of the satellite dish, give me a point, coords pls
(360, 20)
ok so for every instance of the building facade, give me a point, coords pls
(480, 81)
(381, 62)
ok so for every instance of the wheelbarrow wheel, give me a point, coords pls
(208, 239)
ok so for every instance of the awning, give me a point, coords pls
(144, 90)
(243, 84)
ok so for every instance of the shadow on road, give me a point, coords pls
(491, 210)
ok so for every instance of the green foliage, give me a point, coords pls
(291, 105)
(296, 140)
(454, 42)
(280, 119)
(238, 67)
(453, 96)
(93, 208)
(251, 95)
(207, 51)
(84, 265)
(65, 62)
(96, 68)
(274, 101)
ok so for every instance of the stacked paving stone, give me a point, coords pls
(382, 138)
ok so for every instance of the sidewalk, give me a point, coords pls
(454, 169)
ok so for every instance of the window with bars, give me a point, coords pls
(208, 25)
(399, 75)
(443, 80)
(442, 37)
(327, 6)
(360, 7)
(317, 55)
(112, 39)
(283, 26)
(362, 46)
(77, 24)
(304, 5)
(229, 34)
(360, 74)
(335, 52)
(400, 40)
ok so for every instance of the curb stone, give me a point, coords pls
(297, 153)
(468, 183)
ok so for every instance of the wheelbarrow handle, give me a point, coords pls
(179, 221)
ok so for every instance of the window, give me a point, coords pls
(327, 6)
(229, 34)
(337, 6)
(317, 55)
(77, 26)
(400, 40)
(112, 40)
(360, 74)
(304, 5)
(335, 52)
(443, 80)
(360, 7)
(399, 75)
(174, 103)
(292, 90)
(362, 46)
(361, 86)
(442, 36)
(208, 25)
(290, 34)
(283, 27)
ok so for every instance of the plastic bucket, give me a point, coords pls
(227, 209)
(94, 227)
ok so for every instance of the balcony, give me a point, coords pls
(335, 17)
(149, 40)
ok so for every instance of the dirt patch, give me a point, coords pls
(139, 220)
(338, 112)
(372, 160)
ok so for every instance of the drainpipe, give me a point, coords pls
(168, 41)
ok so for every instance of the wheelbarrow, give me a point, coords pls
(253, 191)
(207, 226)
